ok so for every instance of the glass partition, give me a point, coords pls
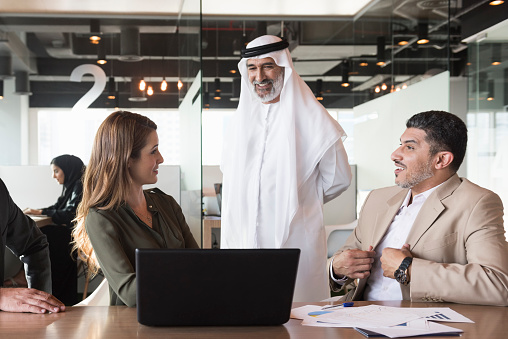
(63, 70)
(189, 65)
(487, 118)
(371, 56)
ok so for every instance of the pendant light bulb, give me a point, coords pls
(149, 90)
(180, 84)
(142, 85)
(164, 85)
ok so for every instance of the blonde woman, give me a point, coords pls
(116, 215)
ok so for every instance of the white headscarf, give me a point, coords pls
(308, 132)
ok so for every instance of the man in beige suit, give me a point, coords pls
(435, 236)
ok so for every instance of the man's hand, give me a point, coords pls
(354, 263)
(391, 259)
(29, 300)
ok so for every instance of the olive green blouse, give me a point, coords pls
(115, 235)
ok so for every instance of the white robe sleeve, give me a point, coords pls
(335, 171)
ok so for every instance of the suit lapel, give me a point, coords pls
(431, 210)
(384, 218)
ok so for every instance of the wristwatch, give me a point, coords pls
(401, 274)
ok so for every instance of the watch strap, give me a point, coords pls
(405, 263)
(401, 273)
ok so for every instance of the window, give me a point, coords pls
(66, 132)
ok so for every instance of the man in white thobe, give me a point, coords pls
(283, 158)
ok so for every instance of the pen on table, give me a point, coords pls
(349, 304)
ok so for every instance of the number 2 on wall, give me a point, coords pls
(97, 88)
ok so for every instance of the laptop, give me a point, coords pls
(210, 287)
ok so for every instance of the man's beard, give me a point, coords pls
(422, 173)
(274, 92)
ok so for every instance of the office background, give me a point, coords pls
(367, 61)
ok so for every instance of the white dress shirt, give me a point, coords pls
(378, 286)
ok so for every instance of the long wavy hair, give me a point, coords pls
(106, 181)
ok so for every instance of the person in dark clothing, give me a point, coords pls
(19, 233)
(67, 170)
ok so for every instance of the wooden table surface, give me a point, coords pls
(121, 322)
(41, 220)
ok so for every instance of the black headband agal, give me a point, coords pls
(255, 51)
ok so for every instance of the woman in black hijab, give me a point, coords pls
(67, 170)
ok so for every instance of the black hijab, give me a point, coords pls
(73, 168)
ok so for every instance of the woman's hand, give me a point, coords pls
(32, 211)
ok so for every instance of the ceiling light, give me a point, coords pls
(149, 90)
(142, 85)
(384, 87)
(380, 51)
(217, 85)
(377, 89)
(403, 43)
(490, 95)
(164, 85)
(217, 96)
(129, 44)
(496, 2)
(423, 33)
(232, 71)
(101, 54)
(95, 31)
(496, 55)
(319, 89)
(95, 39)
(137, 95)
(111, 88)
(363, 63)
(345, 74)
(179, 84)
(206, 100)
(370, 83)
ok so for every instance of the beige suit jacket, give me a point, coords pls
(457, 240)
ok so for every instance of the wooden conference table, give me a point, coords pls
(95, 322)
(41, 220)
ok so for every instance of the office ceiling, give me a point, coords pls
(53, 43)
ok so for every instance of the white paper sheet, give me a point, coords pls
(369, 316)
(418, 327)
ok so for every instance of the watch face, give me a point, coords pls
(400, 276)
